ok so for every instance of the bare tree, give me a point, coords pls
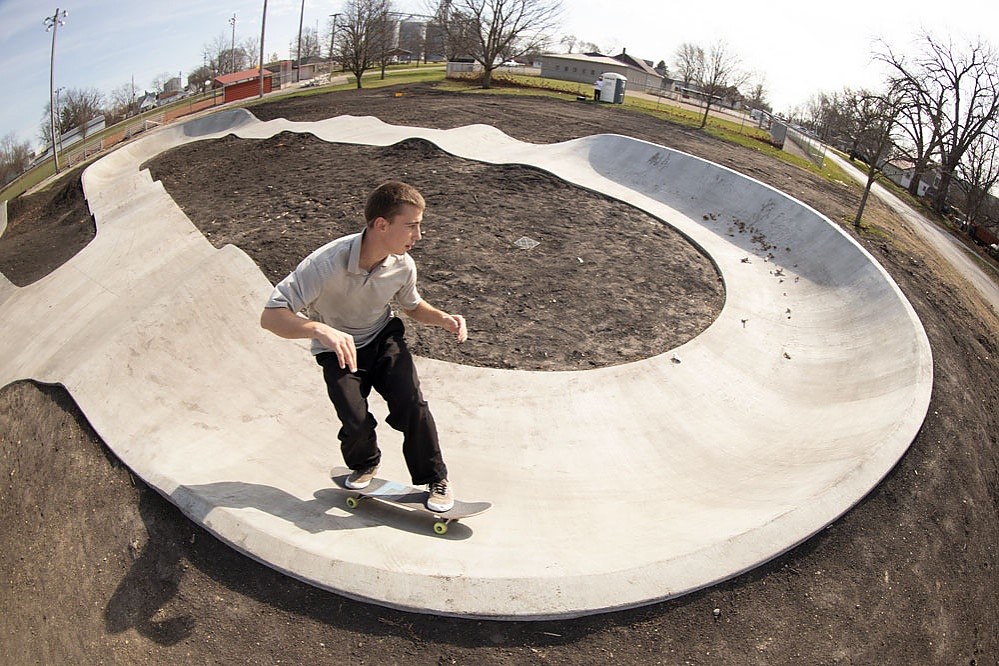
(958, 91)
(78, 106)
(214, 57)
(122, 103)
(160, 80)
(921, 121)
(357, 38)
(876, 119)
(456, 31)
(828, 115)
(200, 79)
(979, 173)
(75, 107)
(757, 96)
(921, 118)
(221, 57)
(310, 45)
(382, 37)
(569, 42)
(15, 156)
(720, 76)
(491, 30)
(689, 62)
(572, 44)
(251, 50)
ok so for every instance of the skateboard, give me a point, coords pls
(414, 499)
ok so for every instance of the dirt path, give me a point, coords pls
(100, 569)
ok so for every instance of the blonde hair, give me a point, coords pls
(387, 198)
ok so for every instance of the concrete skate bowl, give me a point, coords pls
(612, 488)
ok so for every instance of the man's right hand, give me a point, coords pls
(287, 324)
(341, 343)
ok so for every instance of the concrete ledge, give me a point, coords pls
(782, 415)
(6, 286)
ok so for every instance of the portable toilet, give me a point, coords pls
(613, 90)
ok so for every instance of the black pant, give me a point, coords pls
(386, 365)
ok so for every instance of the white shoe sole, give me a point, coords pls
(440, 508)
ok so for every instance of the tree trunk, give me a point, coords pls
(940, 196)
(871, 174)
(704, 120)
(487, 78)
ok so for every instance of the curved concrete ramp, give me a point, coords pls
(612, 488)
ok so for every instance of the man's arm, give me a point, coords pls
(428, 314)
(286, 324)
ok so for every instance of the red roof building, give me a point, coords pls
(240, 85)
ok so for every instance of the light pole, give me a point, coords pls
(332, 36)
(263, 23)
(52, 23)
(298, 56)
(58, 90)
(232, 48)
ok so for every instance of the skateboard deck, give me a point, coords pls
(404, 495)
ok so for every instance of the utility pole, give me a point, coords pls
(58, 90)
(232, 48)
(263, 22)
(52, 23)
(298, 56)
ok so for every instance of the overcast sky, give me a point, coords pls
(797, 48)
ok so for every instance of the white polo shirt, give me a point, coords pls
(329, 286)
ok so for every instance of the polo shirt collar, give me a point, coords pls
(354, 262)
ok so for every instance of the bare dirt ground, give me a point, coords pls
(98, 568)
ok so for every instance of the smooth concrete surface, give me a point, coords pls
(612, 487)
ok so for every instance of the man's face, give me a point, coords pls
(403, 229)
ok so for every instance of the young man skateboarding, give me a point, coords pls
(346, 288)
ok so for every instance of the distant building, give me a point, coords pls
(311, 67)
(174, 85)
(148, 101)
(586, 67)
(901, 172)
(244, 84)
(412, 37)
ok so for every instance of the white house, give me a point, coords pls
(901, 171)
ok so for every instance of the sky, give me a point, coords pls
(796, 49)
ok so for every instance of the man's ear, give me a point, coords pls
(380, 224)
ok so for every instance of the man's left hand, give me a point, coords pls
(456, 325)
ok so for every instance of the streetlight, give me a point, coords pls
(232, 48)
(52, 23)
